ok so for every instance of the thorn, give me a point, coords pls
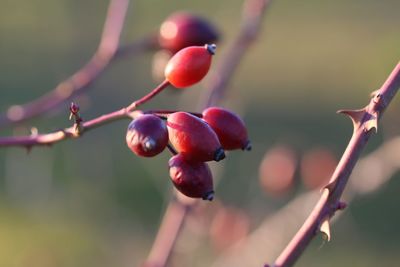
(355, 115)
(374, 93)
(330, 186)
(325, 229)
(372, 122)
(378, 98)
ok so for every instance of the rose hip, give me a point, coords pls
(189, 65)
(183, 29)
(193, 137)
(228, 126)
(193, 179)
(147, 135)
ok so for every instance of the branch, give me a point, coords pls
(265, 241)
(252, 17)
(365, 122)
(107, 50)
(76, 132)
(170, 228)
(179, 207)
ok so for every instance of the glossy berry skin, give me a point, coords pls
(183, 29)
(230, 129)
(147, 135)
(193, 179)
(189, 65)
(193, 138)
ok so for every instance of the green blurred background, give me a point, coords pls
(91, 202)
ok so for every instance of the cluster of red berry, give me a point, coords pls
(197, 139)
(193, 138)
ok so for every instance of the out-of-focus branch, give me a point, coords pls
(253, 14)
(107, 50)
(168, 233)
(180, 206)
(365, 122)
(370, 174)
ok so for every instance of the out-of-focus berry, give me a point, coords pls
(183, 29)
(277, 170)
(228, 226)
(316, 167)
(160, 61)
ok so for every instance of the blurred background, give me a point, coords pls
(91, 202)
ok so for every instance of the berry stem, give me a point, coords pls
(149, 96)
(166, 112)
(172, 149)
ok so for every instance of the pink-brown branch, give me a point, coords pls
(74, 131)
(365, 123)
(253, 14)
(108, 49)
(170, 228)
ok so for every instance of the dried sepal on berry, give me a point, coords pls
(147, 135)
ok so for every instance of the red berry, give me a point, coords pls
(189, 65)
(193, 179)
(147, 135)
(183, 29)
(231, 131)
(193, 137)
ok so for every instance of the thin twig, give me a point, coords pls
(75, 132)
(108, 49)
(179, 207)
(365, 123)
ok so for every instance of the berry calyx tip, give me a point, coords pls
(219, 154)
(211, 48)
(208, 196)
(247, 146)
